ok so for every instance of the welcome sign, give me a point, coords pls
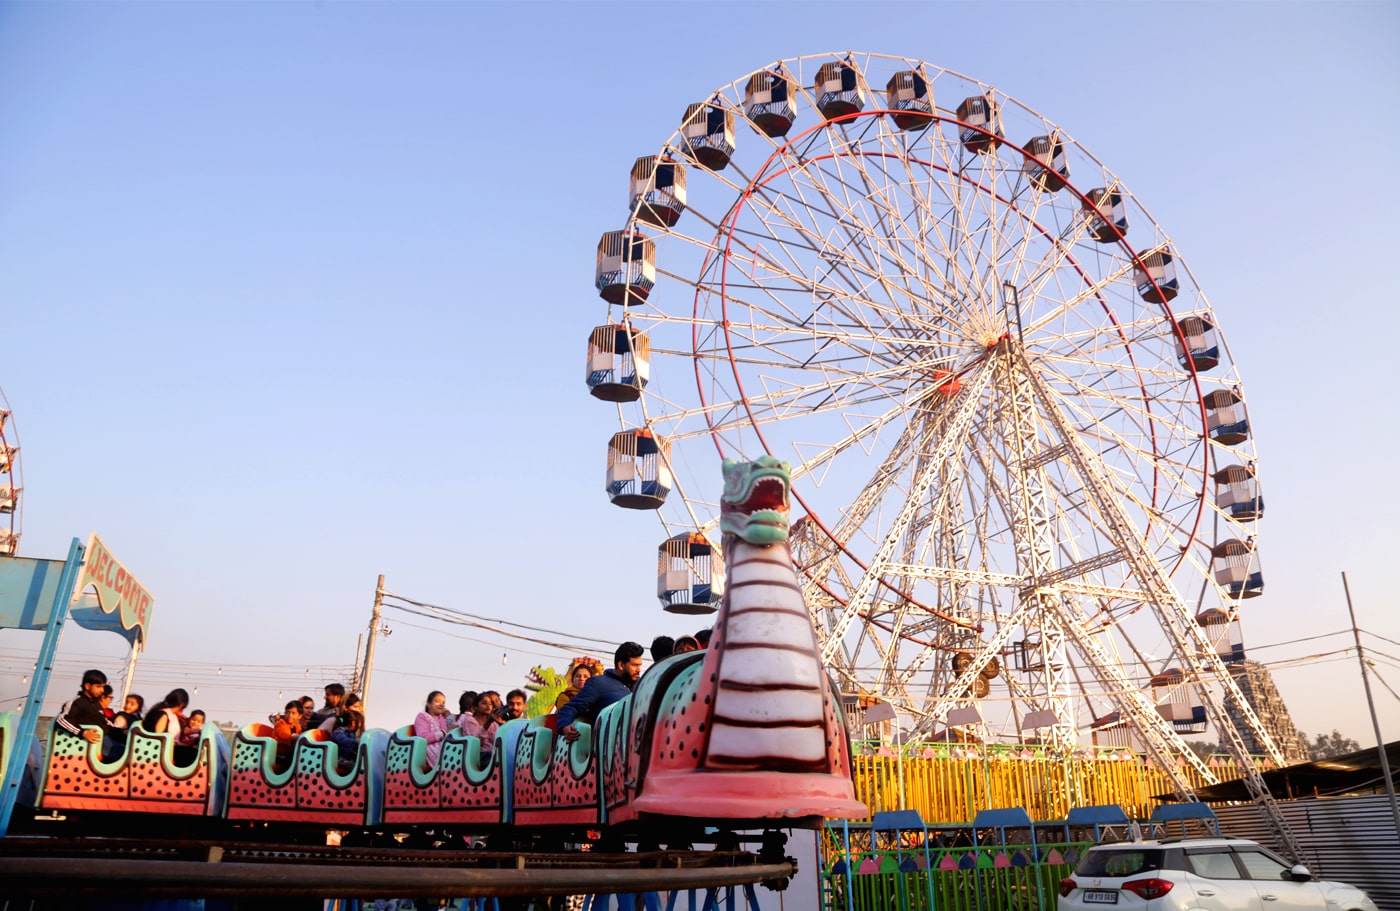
(122, 604)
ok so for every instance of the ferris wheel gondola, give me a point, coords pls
(1016, 430)
(11, 483)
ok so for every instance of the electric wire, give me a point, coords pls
(550, 655)
(462, 621)
(1387, 686)
(496, 620)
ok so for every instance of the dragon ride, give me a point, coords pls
(745, 734)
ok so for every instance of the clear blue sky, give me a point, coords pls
(298, 294)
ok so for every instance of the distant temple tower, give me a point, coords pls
(1257, 686)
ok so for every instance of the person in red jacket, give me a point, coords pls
(285, 732)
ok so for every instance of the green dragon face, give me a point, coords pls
(754, 505)
(545, 684)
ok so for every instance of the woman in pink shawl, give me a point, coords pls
(432, 724)
(481, 722)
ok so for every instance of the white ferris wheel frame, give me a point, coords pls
(890, 307)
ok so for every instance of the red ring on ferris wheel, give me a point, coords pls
(727, 230)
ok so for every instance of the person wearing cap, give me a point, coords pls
(85, 713)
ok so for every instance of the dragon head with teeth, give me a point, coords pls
(754, 505)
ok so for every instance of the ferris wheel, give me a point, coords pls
(11, 516)
(1020, 447)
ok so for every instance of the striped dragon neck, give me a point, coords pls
(771, 709)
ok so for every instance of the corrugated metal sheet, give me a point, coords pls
(1351, 839)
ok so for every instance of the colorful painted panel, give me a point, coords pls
(145, 779)
(465, 788)
(315, 788)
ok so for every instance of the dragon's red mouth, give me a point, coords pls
(767, 493)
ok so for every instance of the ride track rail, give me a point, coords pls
(39, 866)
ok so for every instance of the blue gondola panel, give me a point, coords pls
(1237, 569)
(689, 574)
(1155, 277)
(708, 131)
(979, 115)
(1226, 421)
(1045, 163)
(769, 102)
(1224, 634)
(1108, 217)
(626, 268)
(1237, 493)
(1177, 702)
(638, 474)
(656, 190)
(1197, 335)
(840, 89)
(618, 363)
(910, 94)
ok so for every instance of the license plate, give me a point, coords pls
(1100, 897)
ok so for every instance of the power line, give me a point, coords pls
(1383, 683)
(1380, 637)
(1269, 645)
(430, 612)
(495, 620)
(450, 635)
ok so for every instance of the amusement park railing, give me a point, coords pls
(897, 858)
(897, 862)
(952, 784)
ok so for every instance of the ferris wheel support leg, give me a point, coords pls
(1034, 550)
(1159, 737)
(1192, 644)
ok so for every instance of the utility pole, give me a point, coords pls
(1371, 704)
(373, 634)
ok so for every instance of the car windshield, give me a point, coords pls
(1126, 862)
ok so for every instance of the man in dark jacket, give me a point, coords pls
(85, 712)
(335, 694)
(514, 706)
(602, 691)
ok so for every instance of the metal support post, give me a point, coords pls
(1371, 704)
(130, 671)
(29, 719)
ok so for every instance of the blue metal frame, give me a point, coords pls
(29, 720)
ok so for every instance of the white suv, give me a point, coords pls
(1209, 874)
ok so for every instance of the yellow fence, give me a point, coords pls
(947, 789)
